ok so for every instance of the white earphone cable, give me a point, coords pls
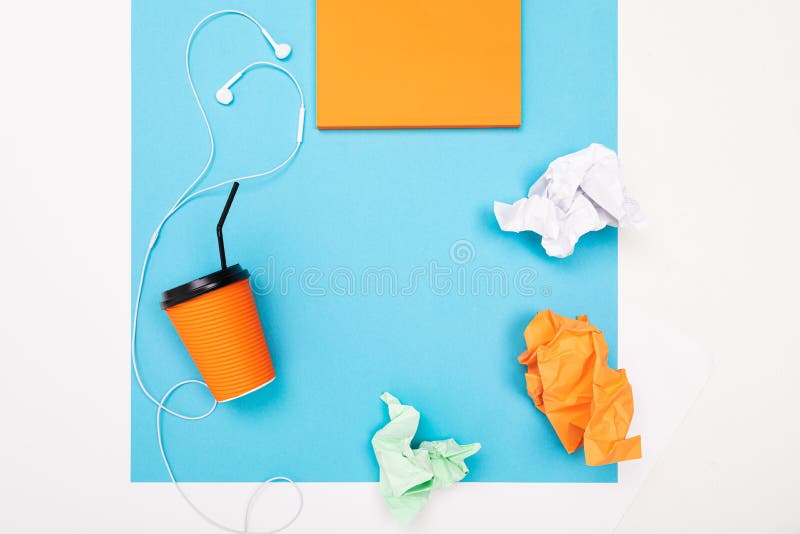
(184, 198)
(253, 497)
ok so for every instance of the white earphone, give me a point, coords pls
(282, 50)
(224, 94)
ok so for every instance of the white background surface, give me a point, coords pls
(709, 134)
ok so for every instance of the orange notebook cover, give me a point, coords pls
(418, 64)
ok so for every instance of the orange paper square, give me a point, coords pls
(418, 64)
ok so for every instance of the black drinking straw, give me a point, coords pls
(222, 217)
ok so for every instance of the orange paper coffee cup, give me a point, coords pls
(217, 319)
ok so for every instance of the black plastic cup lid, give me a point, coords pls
(203, 285)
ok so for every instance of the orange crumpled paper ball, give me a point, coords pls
(570, 381)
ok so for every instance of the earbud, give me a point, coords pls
(224, 96)
(282, 51)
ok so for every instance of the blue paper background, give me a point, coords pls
(359, 200)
